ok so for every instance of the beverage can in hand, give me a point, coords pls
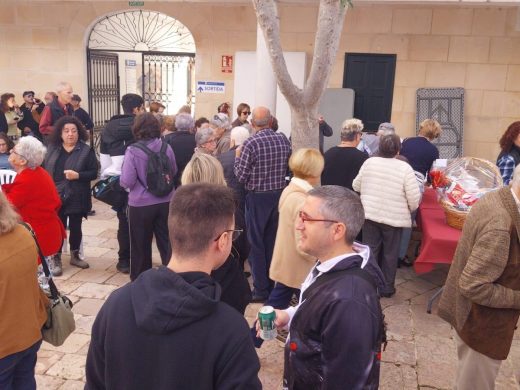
(266, 317)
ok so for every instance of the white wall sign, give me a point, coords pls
(211, 87)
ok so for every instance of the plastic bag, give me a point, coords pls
(461, 182)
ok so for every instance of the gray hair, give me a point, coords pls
(515, 183)
(62, 85)
(32, 150)
(353, 124)
(386, 128)
(342, 205)
(239, 134)
(203, 135)
(220, 120)
(348, 134)
(184, 122)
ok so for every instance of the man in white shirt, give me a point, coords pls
(336, 331)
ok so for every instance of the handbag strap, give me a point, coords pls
(54, 290)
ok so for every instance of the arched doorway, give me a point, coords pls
(143, 52)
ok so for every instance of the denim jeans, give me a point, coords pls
(17, 369)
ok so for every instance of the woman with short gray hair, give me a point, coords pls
(222, 130)
(205, 140)
(34, 195)
(184, 122)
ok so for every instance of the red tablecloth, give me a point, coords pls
(439, 240)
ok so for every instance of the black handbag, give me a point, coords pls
(109, 191)
(60, 319)
(64, 191)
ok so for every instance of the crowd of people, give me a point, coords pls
(216, 193)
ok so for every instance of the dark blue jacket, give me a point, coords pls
(336, 333)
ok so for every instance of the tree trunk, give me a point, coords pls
(304, 127)
(304, 103)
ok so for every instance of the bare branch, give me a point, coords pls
(331, 17)
(269, 22)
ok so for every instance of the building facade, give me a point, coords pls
(476, 47)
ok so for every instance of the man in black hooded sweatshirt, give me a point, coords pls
(168, 328)
(115, 138)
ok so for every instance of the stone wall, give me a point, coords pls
(477, 48)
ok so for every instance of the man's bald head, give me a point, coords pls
(261, 118)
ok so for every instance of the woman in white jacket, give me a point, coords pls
(389, 193)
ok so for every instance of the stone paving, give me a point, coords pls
(421, 352)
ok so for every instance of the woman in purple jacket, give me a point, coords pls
(147, 213)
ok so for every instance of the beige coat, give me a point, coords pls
(289, 265)
(481, 297)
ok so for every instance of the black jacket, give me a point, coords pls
(83, 160)
(169, 331)
(227, 160)
(336, 333)
(29, 121)
(3, 122)
(117, 135)
(183, 145)
(84, 118)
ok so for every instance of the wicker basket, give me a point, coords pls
(455, 217)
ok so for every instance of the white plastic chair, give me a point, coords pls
(7, 176)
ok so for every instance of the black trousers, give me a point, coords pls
(123, 237)
(146, 222)
(75, 233)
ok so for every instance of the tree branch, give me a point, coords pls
(331, 17)
(269, 22)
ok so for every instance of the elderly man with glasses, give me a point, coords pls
(334, 338)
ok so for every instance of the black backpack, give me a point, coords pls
(159, 170)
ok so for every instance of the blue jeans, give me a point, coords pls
(17, 370)
(261, 222)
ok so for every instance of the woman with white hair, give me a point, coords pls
(34, 195)
(182, 141)
(205, 140)
(221, 126)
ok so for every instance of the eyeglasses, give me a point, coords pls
(305, 218)
(246, 112)
(234, 236)
(21, 155)
(3, 144)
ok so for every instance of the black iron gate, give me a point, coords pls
(158, 82)
(103, 86)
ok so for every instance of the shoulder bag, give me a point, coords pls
(60, 319)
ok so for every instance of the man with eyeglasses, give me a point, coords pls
(336, 331)
(168, 328)
(261, 165)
